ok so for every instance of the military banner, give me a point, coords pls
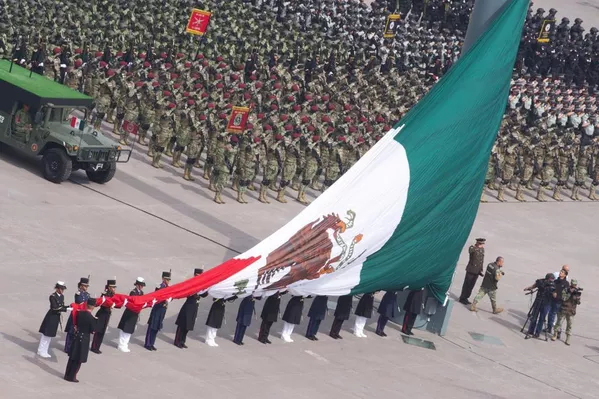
(546, 29)
(198, 22)
(130, 127)
(391, 26)
(238, 119)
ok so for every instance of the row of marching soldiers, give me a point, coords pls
(87, 332)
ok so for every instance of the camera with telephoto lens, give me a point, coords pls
(577, 292)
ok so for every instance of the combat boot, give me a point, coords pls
(593, 193)
(141, 139)
(243, 190)
(492, 185)
(482, 197)
(519, 195)
(251, 187)
(262, 197)
(574, 196)
(169, 149)
(217, 198)
(177, 159)
(567, 341)
(473, 307)
(187, 173)
(554, 336)
(240, 197)
(497, 310)
(500, 193)
(541, 194)
(235, 184)
(273, 185)
(529, 185)
(281, 195)
(556, 192)
(156, 160)
(116, 127)
(206, 174)
(110, 116)
(151, 150)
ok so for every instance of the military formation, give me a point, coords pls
(322, 83)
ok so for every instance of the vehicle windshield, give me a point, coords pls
(64, 115)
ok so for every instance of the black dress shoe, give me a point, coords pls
(410, 333)
(380, 334)
(148, 348)
(184, 346)
(339, 336)
(268, 341)
(96, 351)
(333, 336)
(154, 348)
(262, 341)
(465, 302)
(315, 337)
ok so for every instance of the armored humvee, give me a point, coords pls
(55, 133)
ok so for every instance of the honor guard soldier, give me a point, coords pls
(292, 316)
(244, 317)
(52, 319)
(317, 313)
(81, 296)
(342, 312)
(157, 315)
(103, 315)
(412, 307)
(269, 315)
(186, 319)
(387, 310)
(363, 313)
(215, 319)
(85, 324)
(129, 318)
(474, 268)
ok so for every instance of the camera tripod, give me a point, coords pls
(533, 314)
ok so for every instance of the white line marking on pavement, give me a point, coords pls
(317, 356)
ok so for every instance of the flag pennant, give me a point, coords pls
(76, 123)
(402, 214)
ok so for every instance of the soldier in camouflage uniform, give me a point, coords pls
(585, 156)
(313, 164)
(223, 163)
(247, 167)
(118, 105)
(183, 132)
(147, 114)
(595, 174)
(131, 111)
(105, 91)
(336, 160)
(163, 133)
(563, 164)
(510, 160)
(289, 165)
(210, 147)
(271, 165)
(547, 169)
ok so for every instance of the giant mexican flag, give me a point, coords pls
(400, 217)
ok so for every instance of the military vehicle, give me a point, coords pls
(40, 117)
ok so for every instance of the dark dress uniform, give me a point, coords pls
(51, 321)
(387, 310)
(216, 314)
(269, 315)
(186, 319)
(317, 313)
(129, 317)
(294, 310)
(342, 312)
(103, 318)
(155, 321)
(474, 268)
(365, 305)
(80, 349)
(80, 297)
(127, 323)
(412, 307)
(37, 61)
(244, 318)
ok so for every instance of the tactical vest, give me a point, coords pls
(489, 282)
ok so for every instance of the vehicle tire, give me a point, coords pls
(102, 176)
(57, 165)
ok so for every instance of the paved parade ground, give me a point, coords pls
(147, 220)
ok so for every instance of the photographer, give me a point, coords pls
(570, 300)
(489, 285)
(542, 304)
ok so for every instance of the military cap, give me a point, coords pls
(574, 282)
(140, 281)
(83, 281)
(61, 285)
(111, 283)
(198, 270)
